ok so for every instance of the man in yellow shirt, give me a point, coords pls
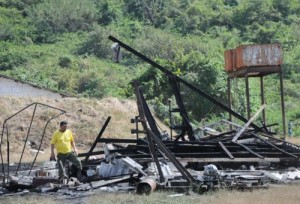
(63, 141)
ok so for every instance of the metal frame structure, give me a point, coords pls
(222, 148)
(5, 127)
(260, 72)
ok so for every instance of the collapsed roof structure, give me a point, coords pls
(155, 159)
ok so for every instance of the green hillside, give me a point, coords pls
(63, 45)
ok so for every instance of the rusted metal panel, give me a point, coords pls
(258, 55)
(229, 56)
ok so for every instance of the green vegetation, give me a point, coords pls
(63, 45)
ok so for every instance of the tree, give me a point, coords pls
(57, 16)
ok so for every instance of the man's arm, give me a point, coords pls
(74, 147)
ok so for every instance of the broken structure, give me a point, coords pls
(239, 157)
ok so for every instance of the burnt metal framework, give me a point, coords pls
(260, 72)
(176, 79)
(248, 145)
(227, 145)
(224, 147)
(5, 131)
(250, 148)
(154, 139)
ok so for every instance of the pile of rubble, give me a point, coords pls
(125, 174)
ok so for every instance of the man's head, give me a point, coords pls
(63, 125)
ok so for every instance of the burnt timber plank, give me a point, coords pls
(249, 150)
(226, 150)
(274, 146)
(96, 141)
(248, 123)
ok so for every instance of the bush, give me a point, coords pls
(58, 16)
(10, 60)
(89, 84)
(13, 26)
(65, 61)
(98, 44)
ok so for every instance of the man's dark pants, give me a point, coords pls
(63, 158)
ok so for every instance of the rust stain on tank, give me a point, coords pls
(229, 56)
(258, 55)
(253, 56)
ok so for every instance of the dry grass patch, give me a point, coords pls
(294, 140)
(289, 194)
(278, 194)
(85, 117)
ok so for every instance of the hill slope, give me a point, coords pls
(85, 116)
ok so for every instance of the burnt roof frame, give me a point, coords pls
(182, 81)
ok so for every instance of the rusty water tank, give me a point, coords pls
(258, 55)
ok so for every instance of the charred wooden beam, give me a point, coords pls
(248, 123)
(249, 150)
(97, 138)
(274, 146)
(226, 150)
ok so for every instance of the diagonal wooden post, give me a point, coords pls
(248, 123)
(97, 139)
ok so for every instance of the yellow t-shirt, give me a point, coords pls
(62, 141)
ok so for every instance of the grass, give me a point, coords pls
(278, 194)
(294, 140)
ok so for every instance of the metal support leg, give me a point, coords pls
(262, 95)
(282, 104)
(248, 97)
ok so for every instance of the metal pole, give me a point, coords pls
(170, 117)
(282, 103)
(137, 127)
(248, 97)
(25, 142)
(262, 95)
(229, 99)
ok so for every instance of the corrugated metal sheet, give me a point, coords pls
(258, 55)
(115, 168)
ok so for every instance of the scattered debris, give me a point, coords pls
(240, 156)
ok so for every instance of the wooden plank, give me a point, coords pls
(248, 123)
(274, 146)
(97, 138)
(249, 150)
(226, 150)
